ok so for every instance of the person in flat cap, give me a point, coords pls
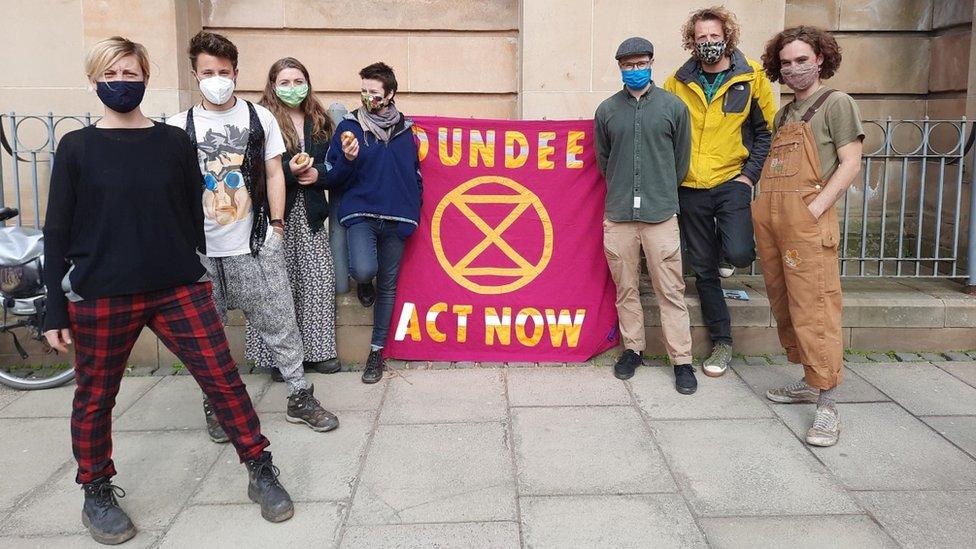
(643, 143)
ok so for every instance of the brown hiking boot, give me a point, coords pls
(303, 407)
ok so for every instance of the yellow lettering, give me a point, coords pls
(408, 324)
(574, 148)
(462, 312)
(511, 139)
(423, 143)
(485, 148)
(565, 325)
(537, 327)
(546, 150)
(455, 156)
(431, 323)
(502, 327)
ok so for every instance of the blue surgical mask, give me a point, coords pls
(121, 96)
(636, 79)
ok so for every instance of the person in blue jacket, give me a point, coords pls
(380, 202)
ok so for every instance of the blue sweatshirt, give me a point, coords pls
(383, 181)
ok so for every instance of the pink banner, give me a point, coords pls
(507, 264)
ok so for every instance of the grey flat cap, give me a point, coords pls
(635, 46)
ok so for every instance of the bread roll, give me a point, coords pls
(301, 158)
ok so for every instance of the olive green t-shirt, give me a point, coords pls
(837, 123)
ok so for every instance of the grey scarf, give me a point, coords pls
(380, 125)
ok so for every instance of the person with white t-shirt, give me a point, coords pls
(239, 146)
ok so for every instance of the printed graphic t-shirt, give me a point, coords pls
(221, 142)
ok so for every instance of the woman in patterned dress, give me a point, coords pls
(307, 130)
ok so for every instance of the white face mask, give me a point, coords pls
(217, 89)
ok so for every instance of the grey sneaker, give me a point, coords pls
(826, 426)
(718, 362)
(796, 393)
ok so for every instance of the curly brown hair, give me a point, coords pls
(730, 27)
(822, 42)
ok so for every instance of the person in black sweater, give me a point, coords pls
(122, 233)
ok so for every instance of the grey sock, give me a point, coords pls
(375, 347)
(826, 397)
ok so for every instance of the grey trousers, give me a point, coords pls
(258, 286)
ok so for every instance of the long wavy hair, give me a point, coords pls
(730, 27)
(322, 128)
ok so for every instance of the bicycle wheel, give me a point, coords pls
(44, 377)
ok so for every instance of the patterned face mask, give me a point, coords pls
(800, 77)
(710, 52)
(374, 103)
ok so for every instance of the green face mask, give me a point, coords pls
(293, 96)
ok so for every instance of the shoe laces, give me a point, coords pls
(106, 493)
(797, 386)
(305, 399)
(208, 409)
(373, 360)
(825, 419)
(267, 471)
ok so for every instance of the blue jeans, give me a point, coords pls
(375, 251)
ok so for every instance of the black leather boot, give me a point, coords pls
(263, 488)
(105, 520)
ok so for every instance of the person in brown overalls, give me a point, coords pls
(815, 155)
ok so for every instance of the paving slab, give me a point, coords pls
(764, 378)
(445, 397)
(611, 452)
(796, 532)
(57, 402)
(37, 446)
(158, 470)
(487, 535)
(237, 526)
(314, 466)
(965, 371)
(565, 387)
(925, 519)
(337, 392)
(724, 397)
(960, 430)
(921, 388)
(144, 540)
(748, 467)
(176, 402)
(436, 473)
(882, 447)
(8, 395)
(652, 520)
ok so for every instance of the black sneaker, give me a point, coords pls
(106, 521)
(276, 375)
(330, 366)
(366, 294)
(303, 407)
(374, 367)
(263, 488)
(214, 429)
(626, 364)
(684, 379)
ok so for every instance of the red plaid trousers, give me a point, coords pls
(186, 321)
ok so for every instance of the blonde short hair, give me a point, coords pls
(107, 52)
(730, 27)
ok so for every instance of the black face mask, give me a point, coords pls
(121, 96)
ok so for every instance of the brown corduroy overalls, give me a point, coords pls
(799, 253)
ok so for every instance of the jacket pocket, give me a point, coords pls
(737, 98)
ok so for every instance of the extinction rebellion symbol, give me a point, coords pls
(518, 269)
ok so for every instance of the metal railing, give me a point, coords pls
(904, 216)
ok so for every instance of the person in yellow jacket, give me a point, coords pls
(730, 100)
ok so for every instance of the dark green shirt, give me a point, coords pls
(642, 147)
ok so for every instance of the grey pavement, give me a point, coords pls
(526, 455)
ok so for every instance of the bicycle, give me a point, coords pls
(23, 297)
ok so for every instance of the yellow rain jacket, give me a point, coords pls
(730, 135)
